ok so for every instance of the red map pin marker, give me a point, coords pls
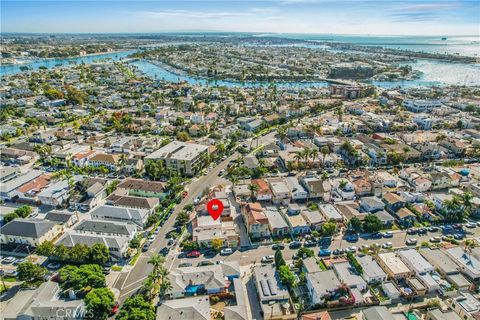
(215, 208)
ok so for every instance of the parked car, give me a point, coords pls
(376, 235)
(324, 241)
(205, 263)
(324, 253)
(151, 238)
(184, 265)
(411, 231)
(459, 236)
(310, 244)
(387, 234)
(8, 260)
(471, 225)
(422, 231)
(267, 259)
(351, 249)
(295, 245)
(106, 270)
(411, 242)
(164, 251)
(351, 238)
(387, 245)
(146, 246)
(193, 254)
(53, 265)
(338, 252)
(226, 251)
(435, 239)
(278, 246)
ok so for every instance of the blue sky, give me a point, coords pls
(411, 17)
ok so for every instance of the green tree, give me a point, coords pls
(136, 308)
(182, 218)
(30, 273)
(329, 228)
(99, 253)
(87, 275)
(217, 244)
(355, 224)
(46, 248)
(372, 223)
(279, 261)
(305, 252)
(286, 276)
(100, 302)
(183, 136)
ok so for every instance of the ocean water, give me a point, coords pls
(434, 72)
(462, 45)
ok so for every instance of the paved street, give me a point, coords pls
(129, 282)
(255, 255)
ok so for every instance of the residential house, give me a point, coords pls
(186, 158)
(45, 302)
(8, 189)
(414, 261)
(465, 305)
(82, 159)
(194, 308)
(467, 263)
(297, 191)
(317, 188)
(56, 194)
(313, 218)
(330, 212)
(393, 202)
(377, 313)
(278, 226)
(209, 280)
(348, 275)
(393, 265)
(205, 229)
(263, 192)
(272, 294)
(372, 273)
(255, 220)
(137, 217)
(371, 204)
(29, 231)
(109, 161)
(280, 191)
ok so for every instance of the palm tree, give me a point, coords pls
(314, 154)
(298, 156)
(253, 188)
(157, 261)
(467, 202)
(325, 150)
(234, 180)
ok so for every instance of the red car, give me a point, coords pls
(115, 308)
(193, 254)
(184, 194)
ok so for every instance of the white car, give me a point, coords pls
(267, 259)
(8, 260)
(411, 242)
(151, 238)
(54, 265)
(226, 251)
(387, 245)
